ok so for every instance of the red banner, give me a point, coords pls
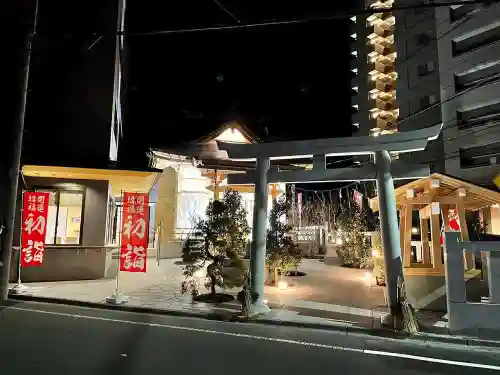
(134, 240)
(34, 227)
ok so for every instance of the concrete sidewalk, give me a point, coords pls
(329, 294)
(329, 297)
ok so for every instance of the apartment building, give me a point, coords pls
(468, 41)
(446, 70)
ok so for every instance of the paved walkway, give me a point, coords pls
(327, 294)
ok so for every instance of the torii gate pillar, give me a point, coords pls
(389, 229)
(259, 228)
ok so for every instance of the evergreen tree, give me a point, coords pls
(282, 252)
(219, 241)
(352, 224)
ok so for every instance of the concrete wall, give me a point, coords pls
(166, 213)
(68, 263)
(426, 292)
(464, 316)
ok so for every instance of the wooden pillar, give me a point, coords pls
(469, 257)
(445, 211)
(424, 236)
(402, 226)
(407, 235)
(437, 263)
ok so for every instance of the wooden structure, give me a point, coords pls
(438, 199)
(218, 187)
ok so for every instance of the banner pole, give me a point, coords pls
(19, 288)
(116, 298)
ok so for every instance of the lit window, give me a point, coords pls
(353, 18)
(355, 70)
(355, 88)
(354, 36)
(64, 217)
(354, 53)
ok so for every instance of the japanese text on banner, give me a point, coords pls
(34, 227)
(134, 240)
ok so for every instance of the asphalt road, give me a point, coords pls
(51, 339)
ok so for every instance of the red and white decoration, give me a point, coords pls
(134, 239)
(358, 198)
(34, 228)
(299, 206)
(453, 223)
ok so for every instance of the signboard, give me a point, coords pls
(496, 180)
(134, 238)
(34, 227)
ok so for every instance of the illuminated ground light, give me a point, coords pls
(382, 71)
(200, 274)
(368, 276)
(282, 285)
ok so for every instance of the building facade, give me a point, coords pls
(446, 71)
(83, 221)
(469, 67)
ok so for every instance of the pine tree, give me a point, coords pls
(219, 241)
(354, 250)
(282, 252)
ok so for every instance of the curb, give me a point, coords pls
(125, 308)
(426, 338)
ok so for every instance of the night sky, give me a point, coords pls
(292, 81)
(283, 82)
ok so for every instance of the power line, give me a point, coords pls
(227, 11)
(370, 10)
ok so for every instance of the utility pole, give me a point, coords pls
(10, 200)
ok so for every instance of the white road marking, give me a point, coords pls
(201, 330)
(433, 360)
(265, 338)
